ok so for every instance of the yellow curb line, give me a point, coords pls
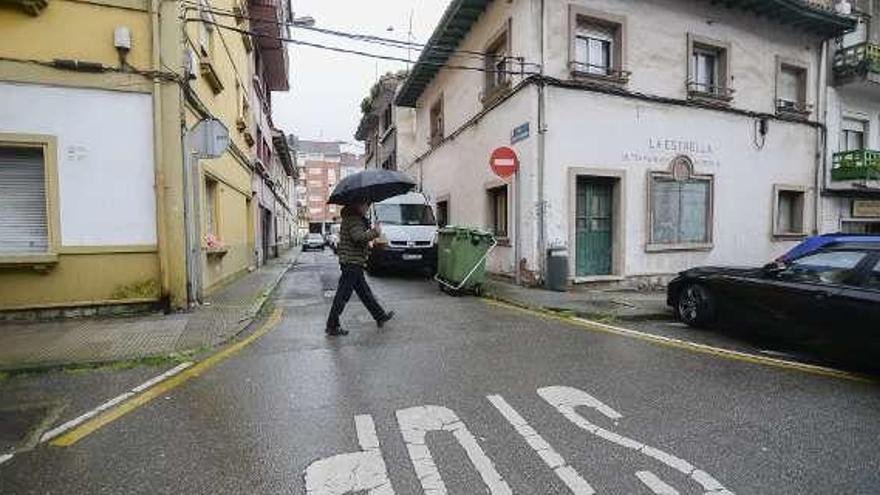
(71, 437)
(689, 346)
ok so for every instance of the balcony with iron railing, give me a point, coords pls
(709, 92)
(856, 165)
(857, 64)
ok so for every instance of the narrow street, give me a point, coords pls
(474, 397)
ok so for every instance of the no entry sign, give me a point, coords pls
(504, 162)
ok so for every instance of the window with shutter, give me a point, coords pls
(23, 219)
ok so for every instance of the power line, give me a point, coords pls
(359, 52)
(390, 42)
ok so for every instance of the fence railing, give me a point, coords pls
(856, 165)
(857, 60)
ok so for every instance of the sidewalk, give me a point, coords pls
(43, 344)
(586, 302)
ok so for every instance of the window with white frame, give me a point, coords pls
(680, 206)
(788, 211)
(708, 68)
(496, 65)
(596, 46)
(24, 223)
(852, 134)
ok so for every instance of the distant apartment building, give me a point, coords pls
(652, 136)
(387, 130)
(321, 164)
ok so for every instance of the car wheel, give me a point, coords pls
(695, 306)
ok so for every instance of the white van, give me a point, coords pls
(409, 234)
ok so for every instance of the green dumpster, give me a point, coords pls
(461, 259)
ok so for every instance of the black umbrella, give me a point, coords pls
(370, 186)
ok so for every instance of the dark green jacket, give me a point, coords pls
(355, 235)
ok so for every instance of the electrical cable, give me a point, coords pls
(351, 51)
(390, 42)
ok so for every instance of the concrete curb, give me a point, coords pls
(580, 314)
(243, 324)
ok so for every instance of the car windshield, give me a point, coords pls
(826, 267)
(403, 214)
(313, 237)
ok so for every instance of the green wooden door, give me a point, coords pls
(593, 227)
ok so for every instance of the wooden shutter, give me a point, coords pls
(23, 222)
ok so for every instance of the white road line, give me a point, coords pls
(566, 399)
(352, 472)
(655, 484)
(566, 473)
(5, 457)
(58, 430)
(416, 422)
(712, 349)
(168, 374)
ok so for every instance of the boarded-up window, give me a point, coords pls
(23, 220)
(681, 206)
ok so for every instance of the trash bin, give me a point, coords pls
(461, 259)
(557, 269)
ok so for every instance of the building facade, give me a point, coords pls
(104, 200)
(387, 130)
(321, 167)
(851, 172)
(652, 136)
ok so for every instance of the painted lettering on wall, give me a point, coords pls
(660, 151)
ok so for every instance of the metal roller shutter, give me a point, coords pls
(23, 226)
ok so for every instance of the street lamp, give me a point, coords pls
(305, 21)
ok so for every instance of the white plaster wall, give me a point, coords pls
(656, 46)
(597, 131)
(459, 172)
(462, 90)
(846, 103)
(105, 158)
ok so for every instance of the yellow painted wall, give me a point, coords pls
(232, 63)
(79, 279)
(74, 30)
(232, 222)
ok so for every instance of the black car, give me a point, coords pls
(832, 293)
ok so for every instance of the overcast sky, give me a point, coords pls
(327, 87)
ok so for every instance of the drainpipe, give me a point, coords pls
(158, 151)
(542, 130)
(822, 132)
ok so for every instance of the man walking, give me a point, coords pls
(355, 235)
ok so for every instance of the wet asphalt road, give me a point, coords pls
(256, 422)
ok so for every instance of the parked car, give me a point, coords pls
(831, 293)
(409, 234)
(313, 242)
(333, 241)
(812, 244)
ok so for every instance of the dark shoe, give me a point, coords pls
(335, 332)
(385, 319)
